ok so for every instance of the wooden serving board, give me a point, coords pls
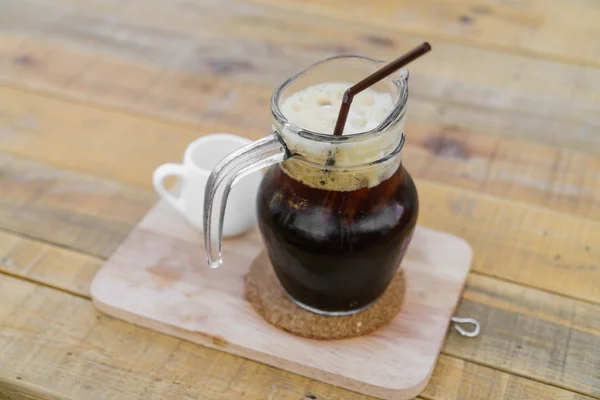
(158, 278)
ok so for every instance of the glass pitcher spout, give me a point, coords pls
(253, 157)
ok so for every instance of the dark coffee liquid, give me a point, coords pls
(336, 251)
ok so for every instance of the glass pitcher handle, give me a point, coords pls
(253, 157)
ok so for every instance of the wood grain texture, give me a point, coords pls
(551, 332)
(543, 313)
(502, 306)
(53, 266)
(108, 143)
(499, 304)
(158, 278)
(525, 244)
(111, 359)
(506, 105)
(201, 97)
(218, 101)
(530, 245)
(533, 27)
(460, 204)
(458, 379)
(67, 208)
(15, 389)
(541, 174)
(560, 334)
(246, 42)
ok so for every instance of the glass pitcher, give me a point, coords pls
(336, 213)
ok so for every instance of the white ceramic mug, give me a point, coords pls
(200, 157)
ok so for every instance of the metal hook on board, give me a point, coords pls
(473, 322)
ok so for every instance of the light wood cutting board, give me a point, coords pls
(158, 278)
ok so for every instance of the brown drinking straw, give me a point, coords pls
(371, 80)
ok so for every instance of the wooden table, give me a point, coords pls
(503, 138)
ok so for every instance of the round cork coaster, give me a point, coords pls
(268, 298)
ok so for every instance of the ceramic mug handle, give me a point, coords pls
(164, 171)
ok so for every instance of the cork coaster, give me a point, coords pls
(268, 298)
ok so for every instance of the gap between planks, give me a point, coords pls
(128, 111)
(49, 243)
(516, 206)
(34, 390)
(187, 125)
(23, 389)
(493, 46)
(507, 371)
(44, 284)
(100, 259)
(441, 37)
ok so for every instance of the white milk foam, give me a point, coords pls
(316, 108)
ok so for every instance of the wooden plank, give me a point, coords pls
(50, 265)
(79, 353)
(457, 379)
(16, 389)
(552, 177)
(513, 305)
(590, 313)
(532, 27)
(29, 125)
(40, 262)
(530, 245)
(122, 132)
(248, 43)
(532, 333)
(249, 114)
(217, 103)
(204, 97)
(67, 208)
